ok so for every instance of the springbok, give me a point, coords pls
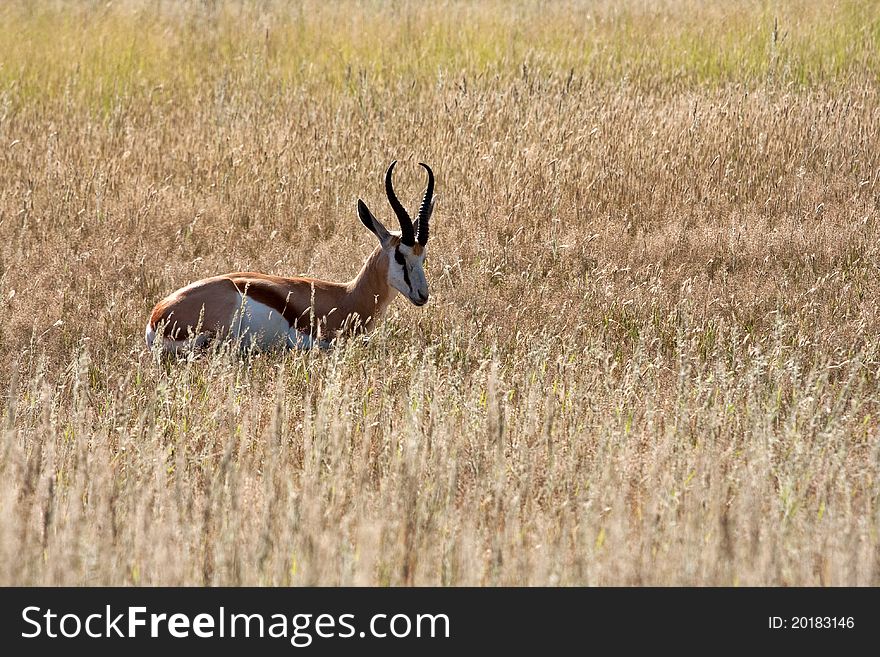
(263, 311)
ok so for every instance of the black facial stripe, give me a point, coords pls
(399, 259)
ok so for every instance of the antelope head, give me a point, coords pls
(405, 251)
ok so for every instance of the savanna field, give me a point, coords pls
(651, 351)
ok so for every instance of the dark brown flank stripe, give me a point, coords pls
(272, 299)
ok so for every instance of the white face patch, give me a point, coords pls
(406, 273)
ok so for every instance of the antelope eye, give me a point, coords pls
(398, 258)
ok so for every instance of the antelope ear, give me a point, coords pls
(373, 225)
(434, 200)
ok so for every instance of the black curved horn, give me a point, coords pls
(406, 227)
(426, 207)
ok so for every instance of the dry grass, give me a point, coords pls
(651, 354)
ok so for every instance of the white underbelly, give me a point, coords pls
(257, 325)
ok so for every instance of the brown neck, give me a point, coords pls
(368, 294)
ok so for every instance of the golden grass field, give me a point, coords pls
(651, 352)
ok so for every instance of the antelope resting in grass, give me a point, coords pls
(263, 311)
